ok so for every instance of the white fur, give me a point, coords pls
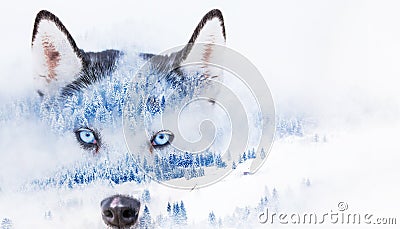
(69, 64)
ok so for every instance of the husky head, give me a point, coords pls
(84, 95)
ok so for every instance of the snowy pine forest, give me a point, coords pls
(127, 170)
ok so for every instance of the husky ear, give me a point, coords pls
(57, 59)
(210, 30)
(208, 35)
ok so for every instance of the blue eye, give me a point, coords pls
(87, 138)
(162, 138)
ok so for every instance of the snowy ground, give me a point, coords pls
(332, 63)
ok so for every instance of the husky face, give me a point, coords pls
(90, 92)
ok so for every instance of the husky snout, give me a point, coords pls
(120, 211)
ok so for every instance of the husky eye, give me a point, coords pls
(162, 138)
(86, 137)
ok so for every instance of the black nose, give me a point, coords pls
(120, 211)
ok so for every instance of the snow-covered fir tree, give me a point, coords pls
(146, 196)
(145, 221)
(234, 165)
(212, 220)
(6, 223)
